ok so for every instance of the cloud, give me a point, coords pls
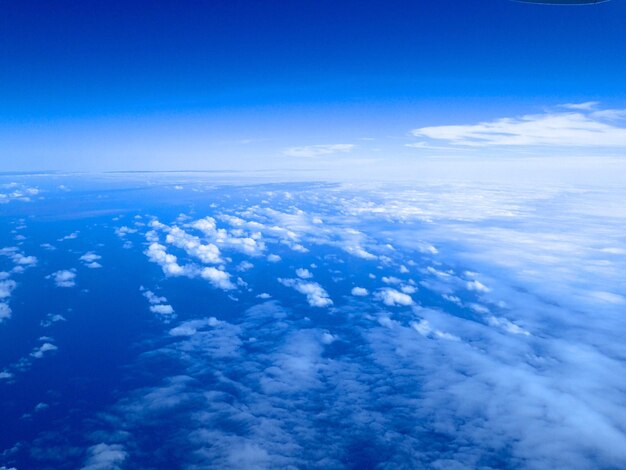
(157, 253)
(162, 309)
(477, 286)
(4, 375)
(359, 291)
(585, 106)
(581, 127)
(21, 261)
(392, 297)
(6, 288)
(63, 278)
(206, 253)
(218, 278)
(90, 260)
(152, 297)
(39, 352)
(5, 311)
(71, 236)
(304, 273)
(105, 457)
(318, 150)
(315, 294)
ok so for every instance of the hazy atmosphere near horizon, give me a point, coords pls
(312, 235)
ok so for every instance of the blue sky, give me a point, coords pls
(231, 85)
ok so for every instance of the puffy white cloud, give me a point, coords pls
(318, 150)
(17, 192)
(237, 239)
(217, 277)
(162, 309)
(359, 291)
(90, 260)
(273, 258)
(477, 286)
(304, 273)
(315, 294)
(157, 253)
(206, 253)
(152, 297)
(21, 261)
(124, 230)
(63, 278)
(392, 297)
(90, 257)
(6, 288)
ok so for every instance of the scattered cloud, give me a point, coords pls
(392, 297)
(63, 278)
(359, 291)
(315, 294)
(90, 260)
(304, 273)
(105, 457)
(318, 150)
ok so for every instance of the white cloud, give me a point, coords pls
(237, 239)
(4, 375)
(5, 311)
(304, 273)
(71, 236)
(477, 286)
(315, 294)
(359, 291)
(580, 127)
(41, 350)
(273, 258)
(157, 253)
(152, 297)
(94, 265)
(586, 106)
(423, 328)
(206, 253)
(318, 150)
(6, 287)
(90, 257)
(392, 297)
(63, 278)
(244, 266)
(162, 309)
(124, 230)
(190, 328)
(218, 278)
(105, 457)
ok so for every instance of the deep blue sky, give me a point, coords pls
(82, 81)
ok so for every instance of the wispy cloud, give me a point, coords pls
(581, 126)
(585, 106)
(318, 150)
